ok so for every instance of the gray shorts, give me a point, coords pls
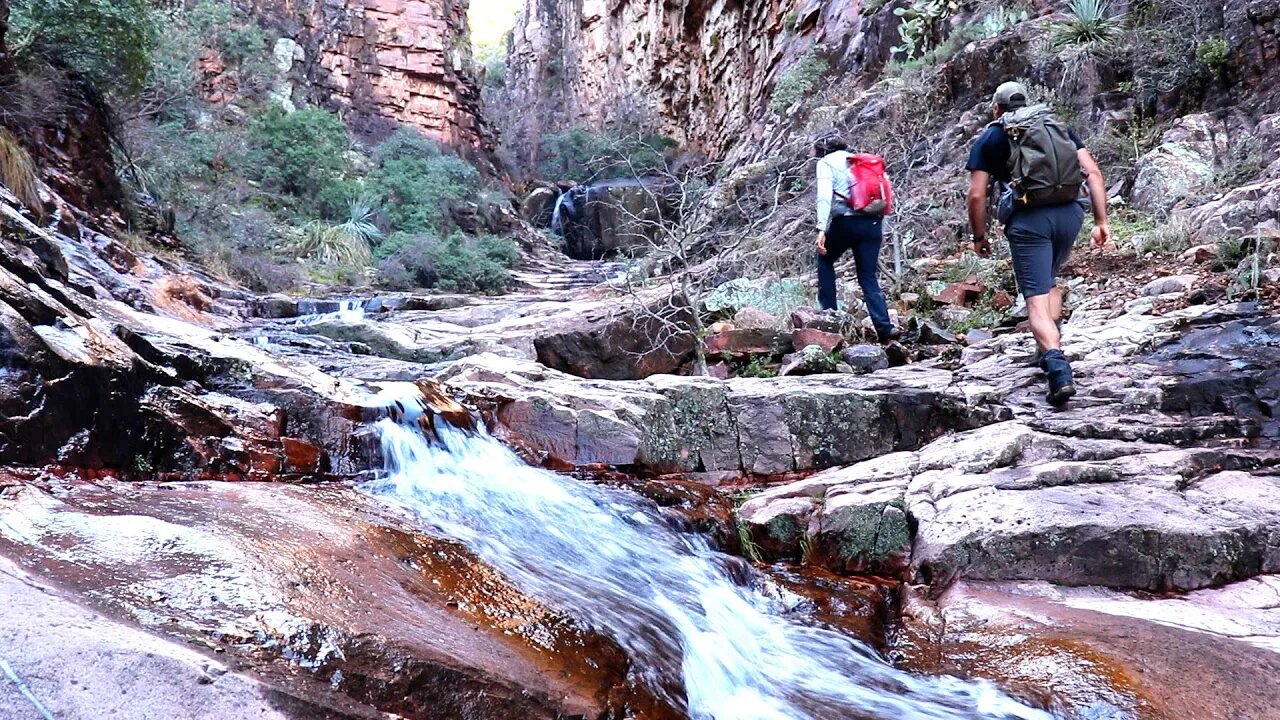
(1040, 241)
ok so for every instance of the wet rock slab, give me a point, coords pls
(317, 587)
(1208, 655)
(77, 663)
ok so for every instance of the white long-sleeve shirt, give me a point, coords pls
(833, 177)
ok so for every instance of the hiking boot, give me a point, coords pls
(1058, 368)
(888, 336)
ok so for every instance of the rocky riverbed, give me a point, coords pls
(1115, 559)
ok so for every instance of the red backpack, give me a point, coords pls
(870, 192)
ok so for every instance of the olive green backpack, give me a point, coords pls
(1042, 158)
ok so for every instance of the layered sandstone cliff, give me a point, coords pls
(383, 63)
(708, 67)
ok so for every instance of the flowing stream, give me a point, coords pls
(606, 558)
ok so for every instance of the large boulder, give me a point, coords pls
(1182, 168)
(609, 217)
(537, 207)
(621, 341)
(1133, 489)
(1009, 503)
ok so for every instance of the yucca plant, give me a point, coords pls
(1089, 22)
(18, 173)
(347, 243)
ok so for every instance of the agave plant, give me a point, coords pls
(1089, 22)
(359, 223)
(347, 243)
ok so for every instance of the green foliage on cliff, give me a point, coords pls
(107, 42)
(798, 81)
(173, 83)
(582, 154)
(1089, 21)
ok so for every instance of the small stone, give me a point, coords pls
(749, 318)
(962, 294)
(1174, 284)
(951, 315)
(718, 370)
(844, 368)
(812, 360)
(928, 333)
(828, 341)
(898, 354)
(909, 300)
(832, 321)
(975, 336)
(863, 359)
(749, 342)
(1201, 253)
(720, 327)
(1001, 301)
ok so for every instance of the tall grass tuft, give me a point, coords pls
(348, 243)
(18, 173)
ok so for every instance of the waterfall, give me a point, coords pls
(557, 217)
(608, 559)
(349, 310)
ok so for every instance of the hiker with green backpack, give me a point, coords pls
(1046, 178)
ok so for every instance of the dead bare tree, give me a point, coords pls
(687, 234)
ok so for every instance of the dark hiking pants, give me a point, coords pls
(863, 235)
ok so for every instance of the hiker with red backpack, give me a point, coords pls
(1046, 179)
(853, 197)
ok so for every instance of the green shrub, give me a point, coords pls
(1213, 54)
(1171, 237)
(107, 42)
(18, 173)
(457, 263)
(297, 153)
(415, 180)
(173, 81)
(798, 81)
(345, 244)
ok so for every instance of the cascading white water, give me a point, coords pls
(606, 558)
(348, 311)
(557, 217)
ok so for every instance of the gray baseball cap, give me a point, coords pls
(1004, 96)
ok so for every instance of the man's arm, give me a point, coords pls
(978, 182)
(1097, 197)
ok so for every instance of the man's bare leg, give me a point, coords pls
(1040, 311)
(1055, 304)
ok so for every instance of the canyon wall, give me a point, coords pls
(707, 67)
(382, 63)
